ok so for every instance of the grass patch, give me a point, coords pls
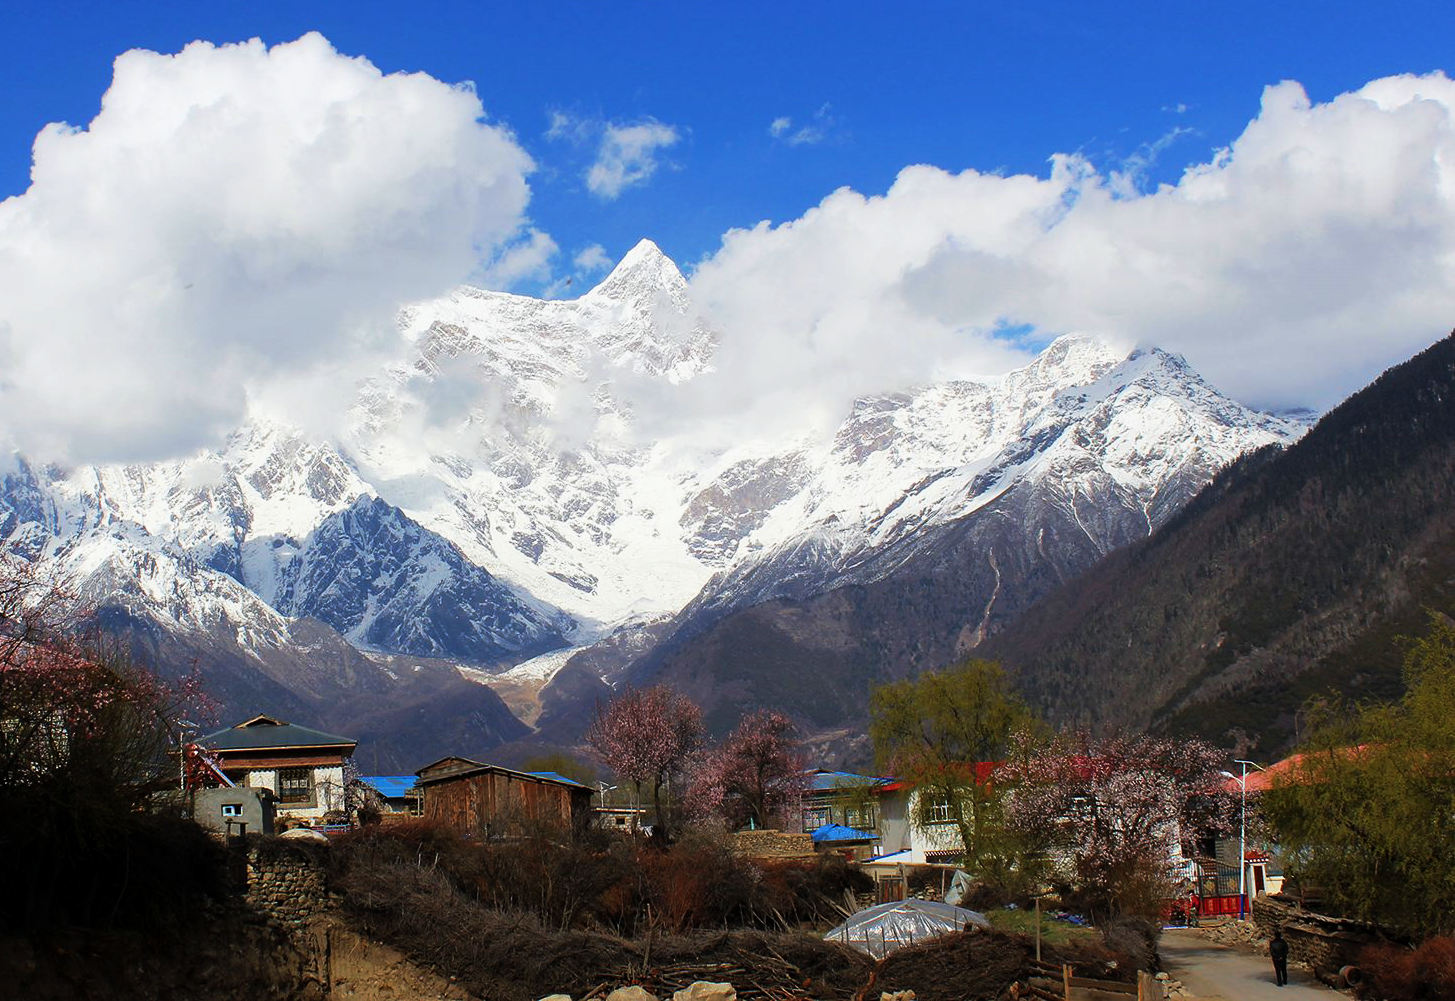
(1053, 932)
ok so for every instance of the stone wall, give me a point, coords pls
(1322, 942)
(286, 881)
(773, 845)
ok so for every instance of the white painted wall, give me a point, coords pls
(328, 791)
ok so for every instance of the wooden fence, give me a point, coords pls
(1058, 984)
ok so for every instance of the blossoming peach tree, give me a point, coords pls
(755, 775)
(1120, 814)
(75, 712)
(646, 736)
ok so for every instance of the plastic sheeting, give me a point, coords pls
(882, 929)
(959, 889)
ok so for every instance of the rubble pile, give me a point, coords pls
(1235, 933)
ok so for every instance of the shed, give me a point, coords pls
(476, 799)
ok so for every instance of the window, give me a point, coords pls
(815, 817)
(295, 785)
(232, 809)
(940, 812)
(862, 818)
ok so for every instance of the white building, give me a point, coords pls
(302, 767)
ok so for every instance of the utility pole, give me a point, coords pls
(1243, 836)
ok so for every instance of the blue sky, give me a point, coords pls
(956, 85)
(865, 196)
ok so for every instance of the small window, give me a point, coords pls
(815, 818)
(861, 819)
(940, 812)
(232, 809)
(295, 785)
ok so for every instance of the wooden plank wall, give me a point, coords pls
(495, 802)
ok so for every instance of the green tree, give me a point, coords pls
(932, 731)
(1369, 814)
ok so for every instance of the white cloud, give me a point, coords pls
(627, 156)
(235, 216)
(811, 133)
(1315, 250)
(593, 259)
(1133, 175)
(528, 257)
(569, 127)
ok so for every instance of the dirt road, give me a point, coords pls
(1216, 971)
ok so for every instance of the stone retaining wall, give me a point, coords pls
(1325, 943)
(773, 845)
(286, 882)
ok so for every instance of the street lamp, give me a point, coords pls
(1243, 832)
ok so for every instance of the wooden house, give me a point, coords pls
(480, 800)
(302, 767)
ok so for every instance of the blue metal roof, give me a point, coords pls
(389, 786)
(557, 776)
(823, 781)
(838, 832)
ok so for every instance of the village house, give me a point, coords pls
(841, 798)
(841, 811)
(936, 840)
(390, 795)
(1218, 868)
(868, 817)
(480, 800)
(302, 768)
(620, 818)
(933, 842)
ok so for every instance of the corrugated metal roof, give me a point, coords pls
(557, 776)
(821, 780)
(838, 832)
(389, 786)
(263, 732)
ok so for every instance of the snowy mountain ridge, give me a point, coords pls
(491, 498)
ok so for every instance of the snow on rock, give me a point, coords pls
(491, 500)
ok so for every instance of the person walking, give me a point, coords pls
(1278, 951)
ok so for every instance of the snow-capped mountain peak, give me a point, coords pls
(486, 505)
(640, 276)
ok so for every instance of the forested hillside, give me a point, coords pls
(1293, 572)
